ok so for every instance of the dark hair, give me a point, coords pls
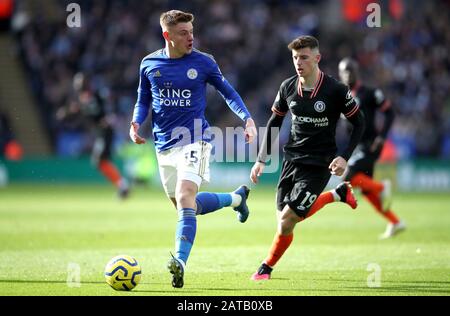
(173, 17)
(303, 42)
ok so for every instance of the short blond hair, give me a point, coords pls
(173, 17)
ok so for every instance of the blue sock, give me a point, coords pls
(185, 234)
(209, 202)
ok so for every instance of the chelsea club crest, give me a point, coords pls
(319, 106)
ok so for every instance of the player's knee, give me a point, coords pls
(287, 224)
(286, 227)
(185, 197)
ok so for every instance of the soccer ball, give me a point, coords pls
(123, 273)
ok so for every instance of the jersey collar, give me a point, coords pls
(316, 86)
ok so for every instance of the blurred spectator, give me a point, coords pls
(5, 133)
(407, 57)
(6, 11)
(9, 147)
(89, 109)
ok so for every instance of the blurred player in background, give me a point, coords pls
(173, 84)
(89, 106)
(5, 133)
(361, 164)
(316, 102)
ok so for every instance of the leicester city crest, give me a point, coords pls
(192, 73)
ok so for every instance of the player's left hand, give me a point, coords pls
(250, 131)
(134, 129)
(377, 143)
(337, 166)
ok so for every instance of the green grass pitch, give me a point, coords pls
(44, 229)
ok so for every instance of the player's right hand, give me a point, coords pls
(250, 131)
(377, 143)
(134, 134)
(337, 166)
(257, 171)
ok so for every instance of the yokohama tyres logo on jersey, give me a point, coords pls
(317, 121)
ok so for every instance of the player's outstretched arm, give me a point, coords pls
(73, 108)
(378, 142)
(358, 121)
(134, 128)
(266, 147)
(142, 106)
(389, 116)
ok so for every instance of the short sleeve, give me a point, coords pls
(280, 106)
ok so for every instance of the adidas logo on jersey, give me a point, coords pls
(157, 74)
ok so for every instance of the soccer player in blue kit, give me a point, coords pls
(173, 83)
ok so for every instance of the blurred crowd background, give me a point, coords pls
(407, 57)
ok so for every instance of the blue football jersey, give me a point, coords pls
(176, 91)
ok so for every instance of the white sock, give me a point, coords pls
(236, 199)
(336, 196)
(183, 264)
